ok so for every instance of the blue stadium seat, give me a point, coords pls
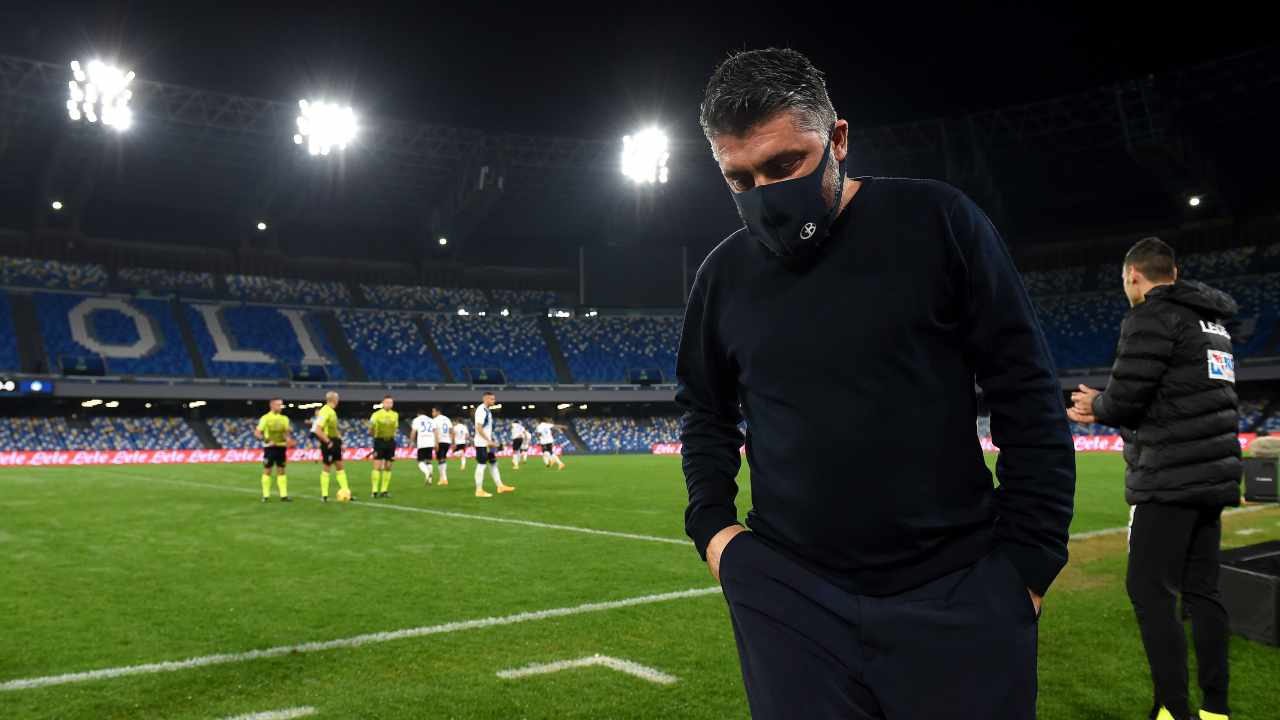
(389, 346)
(258, 288)
(513, 344)
(186, 282)
(117, 325)
(100, 433)
(524, 298)
(419, 297)
(9, 359)
(260, 328)
(52, 274)
(626, 434)
(602, 349)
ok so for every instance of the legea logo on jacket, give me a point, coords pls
(1222, 366)
(1214, 329)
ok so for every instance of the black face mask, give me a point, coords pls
(791, 218)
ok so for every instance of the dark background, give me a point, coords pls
(604, 70)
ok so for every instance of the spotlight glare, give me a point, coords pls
(444, 241)
(101, 92)
(644, 157)
(262, 226)
(56, 205)
(1194, 201)
(324, 126)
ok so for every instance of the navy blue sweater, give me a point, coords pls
(855, 373)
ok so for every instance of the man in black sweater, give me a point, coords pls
(860, 313)
(1172, 391)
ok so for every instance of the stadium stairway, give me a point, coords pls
(563, 376)
(26, 324)
(332, 330)
(202, 431)
(189, 340)
(576, 439)
(358, 298)
(425, 331)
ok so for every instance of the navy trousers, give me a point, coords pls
(962, 646)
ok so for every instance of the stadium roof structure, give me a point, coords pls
(1117, 152)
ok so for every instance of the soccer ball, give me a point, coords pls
(344, 495)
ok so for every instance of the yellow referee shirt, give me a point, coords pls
(384, 423)
(327, 419)
(273, 427)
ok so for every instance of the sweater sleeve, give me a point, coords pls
(707, 393)
(1010, 357)
(1142, 358)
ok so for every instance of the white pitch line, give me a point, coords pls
(1118, 530)
(350, 642)
(644, 672)
(286, 714)
(441, 513)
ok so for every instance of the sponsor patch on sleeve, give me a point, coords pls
(1222, 366)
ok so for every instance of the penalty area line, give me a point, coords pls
(349, 642)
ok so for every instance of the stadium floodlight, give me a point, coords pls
(113, 404)
(1194, 201)
(505, 312)
(644, 156)
(443, 241)
(91, 403)
(262, 226)
(100, 91)
(564, 406)
(147, 406)
(56, 204)
(323, 126)
(582, 407)
(36, 386)
(197, 403)
(462, 312)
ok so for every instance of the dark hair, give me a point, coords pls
(436, 408)
(1153, 258)
(487, 393)
(275, 399)
(387, 397)
(752, 86)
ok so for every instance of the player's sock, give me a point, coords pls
(282, 482)
(479, 476)
(342, 480)
(266, 485)
(497, 475)
(373, 480)
(425, 467)
(386, 480)
(324, 484)
(444, 472)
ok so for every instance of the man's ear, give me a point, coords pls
(840, 139)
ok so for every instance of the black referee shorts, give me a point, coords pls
(333, 453)
(274, 455)
(384, 449)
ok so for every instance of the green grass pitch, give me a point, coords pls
(110, 567)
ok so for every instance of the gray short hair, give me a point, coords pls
(752, 86)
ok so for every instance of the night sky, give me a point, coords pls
(603, 70)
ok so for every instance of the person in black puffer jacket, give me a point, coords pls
(1172, 392)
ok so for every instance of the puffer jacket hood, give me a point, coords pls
(1209, 303)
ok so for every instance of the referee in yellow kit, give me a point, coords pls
(383, 425)
(274, 432)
